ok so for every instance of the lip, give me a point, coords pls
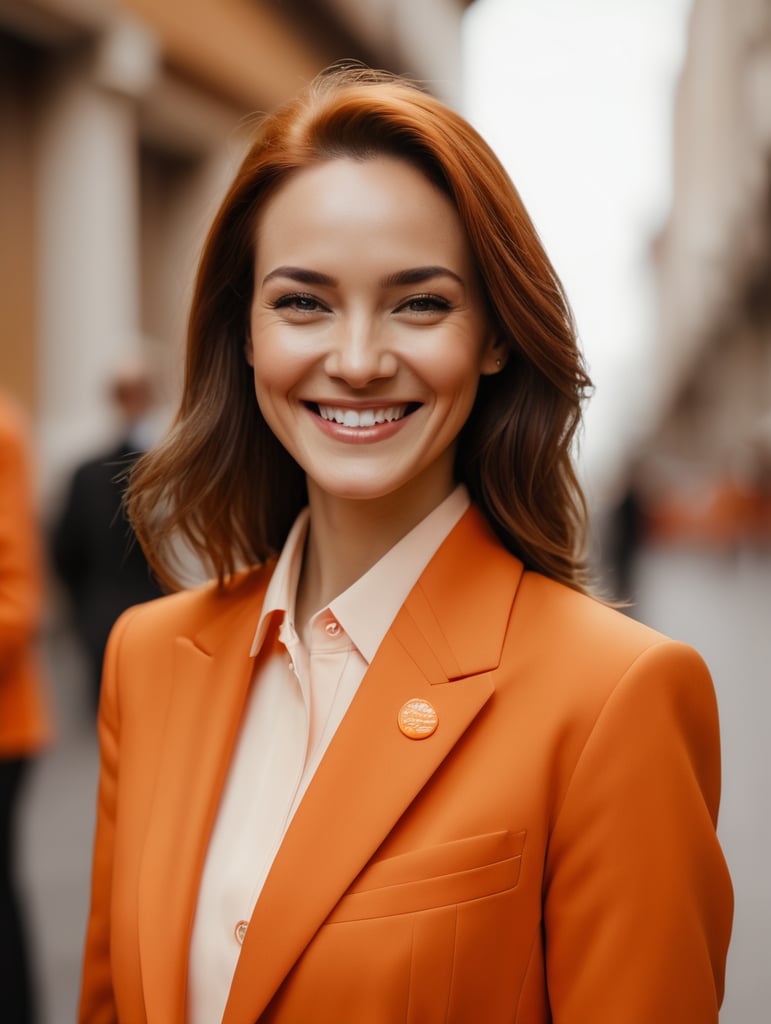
(361, 435)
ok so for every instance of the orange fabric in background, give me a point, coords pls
(24, 721)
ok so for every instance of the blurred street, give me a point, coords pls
(720, 603)
(56, 834)
(122, 123)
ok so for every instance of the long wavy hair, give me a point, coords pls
(221, 481)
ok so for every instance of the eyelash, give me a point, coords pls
(293, 300)
(433, 303)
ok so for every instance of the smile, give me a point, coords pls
(365, 417)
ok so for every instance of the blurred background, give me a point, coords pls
(639, 134)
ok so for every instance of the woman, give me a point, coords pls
(409, 770)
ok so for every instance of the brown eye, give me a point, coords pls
(424, 304)
(302, 303)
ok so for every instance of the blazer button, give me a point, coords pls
(417, 718)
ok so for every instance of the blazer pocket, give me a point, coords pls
(434, 876)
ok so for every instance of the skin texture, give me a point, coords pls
(333, 324)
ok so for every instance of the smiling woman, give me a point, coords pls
(223, 481)
(394, 764)
(389, 338)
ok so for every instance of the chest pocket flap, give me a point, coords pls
(434, 876)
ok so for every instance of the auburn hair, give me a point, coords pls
(223, 484)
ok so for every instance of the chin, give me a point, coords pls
(347, 489)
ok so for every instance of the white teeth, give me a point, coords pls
(364, 417)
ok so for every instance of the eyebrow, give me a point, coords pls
(415, 275)
(301, 275)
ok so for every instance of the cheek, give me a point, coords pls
(275, 369)
(276, 378)
(454, 368)
(267, 380)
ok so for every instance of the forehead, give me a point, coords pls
(380, 199)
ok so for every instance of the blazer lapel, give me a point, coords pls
(450, 628)
(212, 672)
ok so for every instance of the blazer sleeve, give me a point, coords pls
(97, 999)
(638, 900)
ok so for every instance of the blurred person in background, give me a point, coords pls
(624, 535)
(395, 764)
(93, 549)
(24, 721)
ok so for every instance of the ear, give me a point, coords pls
(248, 348)
(494, 357)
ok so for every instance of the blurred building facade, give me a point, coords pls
(705, 473)
(702, 479)
(121, 122)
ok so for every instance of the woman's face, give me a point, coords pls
(368, 330)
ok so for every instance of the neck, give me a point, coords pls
(346, 538)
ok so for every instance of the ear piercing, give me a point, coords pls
(498, 363)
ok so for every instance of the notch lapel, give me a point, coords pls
(211, 676)
(371, 772)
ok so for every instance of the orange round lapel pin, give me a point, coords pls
(417, 718)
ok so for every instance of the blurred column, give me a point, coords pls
(716, 234)
(18, 254)
(89, 237)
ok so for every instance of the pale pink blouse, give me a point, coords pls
(302, 688)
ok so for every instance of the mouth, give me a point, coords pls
(370, 417)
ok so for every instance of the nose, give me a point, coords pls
(359, 354)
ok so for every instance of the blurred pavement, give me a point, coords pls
(56, 831)
(721, 603)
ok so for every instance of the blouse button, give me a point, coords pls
(240, 931)
(332, 628)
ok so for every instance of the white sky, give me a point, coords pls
(576, 98)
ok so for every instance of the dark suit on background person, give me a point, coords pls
(96, 554)
(93, 548)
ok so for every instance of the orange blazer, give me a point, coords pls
(24, 724)
(548, 854)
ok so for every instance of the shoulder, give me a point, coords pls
(187, 612)
(580, 620)
(590, 652)
(16, 462)
(98, 469)
(14, 426)
(567, 637)
(611, 684)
